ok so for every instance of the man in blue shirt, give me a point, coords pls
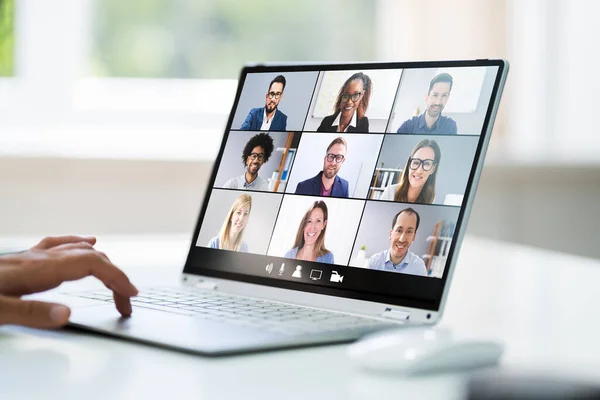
(432, 121)
(397, 258)
(268, 118)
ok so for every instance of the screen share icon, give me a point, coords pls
(315, 274)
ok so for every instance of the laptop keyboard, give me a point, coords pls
(257, 313)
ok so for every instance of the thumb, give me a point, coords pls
(35, 314)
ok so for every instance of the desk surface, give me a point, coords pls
(540, 304)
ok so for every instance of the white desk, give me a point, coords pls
(542, 305)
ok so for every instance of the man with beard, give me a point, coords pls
(397, 258)
(256, 152)
(327, 182)
(432, 121)
(268, 118)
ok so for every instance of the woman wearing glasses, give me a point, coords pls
(232, 231)
(417, 184)
(310, 238)
(350, 106)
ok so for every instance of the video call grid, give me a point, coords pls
(366, 198)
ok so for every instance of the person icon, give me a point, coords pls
(298, 272)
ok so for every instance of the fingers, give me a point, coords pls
(123, 304)
(85, 263)
(53, 241)
(35, 314)
(71, 246)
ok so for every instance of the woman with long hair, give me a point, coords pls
(417, 184)
(310, 238)
(350, 106)
(232, 231)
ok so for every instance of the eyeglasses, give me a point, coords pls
(354, 97)
(274, 95)
(337, 157)
(415, 163)
(257, 156)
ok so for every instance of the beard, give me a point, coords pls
(329, 173)
(435, 112)
(270, 107)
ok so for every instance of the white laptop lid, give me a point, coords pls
(375, 212)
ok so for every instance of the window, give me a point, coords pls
(6, 37)
(214, 38)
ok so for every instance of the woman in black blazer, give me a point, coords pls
(350, 107)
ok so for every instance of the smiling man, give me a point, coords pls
(432, 121)
(397, 258)
(327, 183)
(269, 117)
(256, 152)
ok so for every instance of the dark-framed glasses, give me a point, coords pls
(354, 97)
(427, 164)
(257, 156)
(337, 157)
(274, 95)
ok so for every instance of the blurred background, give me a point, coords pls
(111, 112)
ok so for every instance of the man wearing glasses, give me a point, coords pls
(268, 118)
(397, 258)
(256, 152)
(327, 183)
(432, 121)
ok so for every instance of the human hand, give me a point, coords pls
(45, 266)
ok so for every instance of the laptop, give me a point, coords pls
(336, 207)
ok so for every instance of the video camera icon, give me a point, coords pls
(335, 277)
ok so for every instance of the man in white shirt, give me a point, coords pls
(256, 152)
(397, 258)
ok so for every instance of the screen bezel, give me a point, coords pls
(462, 218)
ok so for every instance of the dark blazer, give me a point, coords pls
(254, 120)
(313, 185)
(362, 124)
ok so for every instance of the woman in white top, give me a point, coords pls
(232, 231)
(417, 184)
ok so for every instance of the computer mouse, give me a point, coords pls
(422, 350)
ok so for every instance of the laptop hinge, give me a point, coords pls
(201, 283)
(396, 315)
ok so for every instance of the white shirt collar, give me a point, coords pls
(266, 125)
(352, 122)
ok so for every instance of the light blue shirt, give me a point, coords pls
(410, 264)
(214, 244)
(326, 258)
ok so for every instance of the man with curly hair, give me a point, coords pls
(256, 152)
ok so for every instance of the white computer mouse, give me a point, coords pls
(422, 350)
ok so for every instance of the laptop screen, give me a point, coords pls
(347, 181)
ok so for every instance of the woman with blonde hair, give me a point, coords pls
(310, 238)
(232, 231)
(417, 184)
